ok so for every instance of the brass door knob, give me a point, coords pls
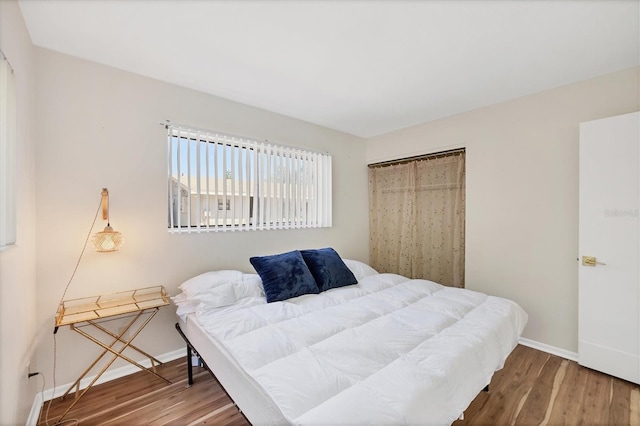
(591, 261)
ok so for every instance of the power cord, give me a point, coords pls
(84, 247)
(46, 414)
(44, 383)
(55, 330)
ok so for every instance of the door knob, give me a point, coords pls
(591, 261)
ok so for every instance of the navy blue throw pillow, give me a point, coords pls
(284, 275)
(328, 269)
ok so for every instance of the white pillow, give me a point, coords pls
(226, 285)
(216, 289)
(205, 282)
(359, 269)
(184, 305)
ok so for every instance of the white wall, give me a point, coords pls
(99, 127)
(522, 193)
(17, 263)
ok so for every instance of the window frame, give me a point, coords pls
(266, 186)
(8, 124)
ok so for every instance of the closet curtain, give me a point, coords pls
(417, 218)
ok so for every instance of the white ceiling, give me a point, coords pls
(362, 67)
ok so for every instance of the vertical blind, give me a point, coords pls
(219, 182)
(7, 154)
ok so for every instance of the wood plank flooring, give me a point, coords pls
(533, 388)
(141, 399)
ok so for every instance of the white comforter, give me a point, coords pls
(388, 350)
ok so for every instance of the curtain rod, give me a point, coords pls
(417, 158)
(6, 59)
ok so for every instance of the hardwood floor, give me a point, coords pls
(542, 389)
(141, 399)
(533, 388)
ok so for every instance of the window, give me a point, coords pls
(220, 182)
(7, 154)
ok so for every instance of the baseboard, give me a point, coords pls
(109, 375)
(553, 350)
(36, 407)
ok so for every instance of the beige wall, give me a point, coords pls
(99, 127)
(522, 193)
(17, 263)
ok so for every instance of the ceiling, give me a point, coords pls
(361, 67)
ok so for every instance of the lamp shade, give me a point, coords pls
(107, 240)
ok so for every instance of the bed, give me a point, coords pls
(385, 350)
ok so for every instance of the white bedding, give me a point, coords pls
(387, 350)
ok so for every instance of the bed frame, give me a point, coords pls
(191, 351)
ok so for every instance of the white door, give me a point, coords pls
(609, 292)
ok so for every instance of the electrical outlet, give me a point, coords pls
(29, 373)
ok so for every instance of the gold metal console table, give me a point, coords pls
(94, 311)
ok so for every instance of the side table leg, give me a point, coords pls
(117, 354)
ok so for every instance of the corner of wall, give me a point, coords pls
(17, 263)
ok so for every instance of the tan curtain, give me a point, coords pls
(417, 212)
